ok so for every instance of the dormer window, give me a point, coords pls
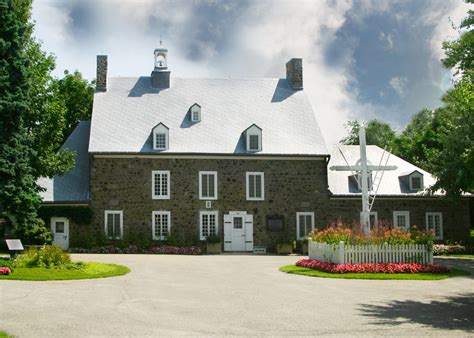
(160, 137)
(195, 112)
(416, 181)
(253, 136)
(369, 180)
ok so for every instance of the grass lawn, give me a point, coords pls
(293, 269)
(92, 270)
(457, 255)
(3, 334)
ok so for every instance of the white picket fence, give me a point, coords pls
(385, 253)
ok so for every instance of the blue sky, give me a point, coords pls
(362, 59)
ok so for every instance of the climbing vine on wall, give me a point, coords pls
(79, 215)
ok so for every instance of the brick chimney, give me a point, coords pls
(294, 73)
(101, 82)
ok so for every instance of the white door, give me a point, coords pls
(238, 231)
(60, 230)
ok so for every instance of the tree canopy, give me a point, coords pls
(440, 141)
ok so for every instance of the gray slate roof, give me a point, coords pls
(124, 115)
(73, 186)
(391, 185)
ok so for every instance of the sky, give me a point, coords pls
(361, 59)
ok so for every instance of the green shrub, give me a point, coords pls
(49, 256)
(6, 263)
(213, 239)
(36, 233)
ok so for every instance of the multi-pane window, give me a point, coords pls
(253, 142)
(113, 224)
(255, 186)
(401, 219)
(304, 224)
(161, 224)
(208, 185)
(160, 141)
(416, 182)
(373, 218)
(195, 116)
(434, 221)
(208, 224)
(160, 184)
(161, 137)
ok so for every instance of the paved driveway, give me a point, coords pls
(231, 295)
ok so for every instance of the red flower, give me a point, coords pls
(372, 267)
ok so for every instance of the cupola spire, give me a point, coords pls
(160, 76)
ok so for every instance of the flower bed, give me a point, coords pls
(372, 267)
(5, 271)
(133, 249)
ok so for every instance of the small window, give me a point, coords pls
(304, 224)
(160, 141)
(369, 181)
(161, 225)
(208, 224)
(254, 138)
(416, 182)
(255, 186)
(434, 221)
(161, 137)
(373, 218)
(195, 111)
(401, 219)
(160, 184)
(114, 224)
(208, 185)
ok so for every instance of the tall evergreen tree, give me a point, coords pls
(19, 198)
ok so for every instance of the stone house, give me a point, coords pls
(243, 159)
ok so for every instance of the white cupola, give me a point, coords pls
(160, 76)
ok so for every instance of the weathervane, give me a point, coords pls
(363, 168)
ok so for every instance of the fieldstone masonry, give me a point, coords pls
(294, 73)
(291, 186)
(101, 84)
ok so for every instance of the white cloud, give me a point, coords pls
(399, 84)
(387, 40)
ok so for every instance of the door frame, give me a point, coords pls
(66, 229)
(229, 230)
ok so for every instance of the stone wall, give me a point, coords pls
(125, 184)
(456, 220)
(291, 186)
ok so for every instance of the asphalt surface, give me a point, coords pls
(233, 295)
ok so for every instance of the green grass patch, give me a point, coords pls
(457, 255)
(3, 334)
(91, 270)
(298, 270)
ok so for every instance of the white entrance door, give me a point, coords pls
(60, 230)
(238, 231)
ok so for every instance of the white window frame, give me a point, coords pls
(213, 212)
(153, 225)
(254, 131)
(195, 108)
(247, 176)
(410, 180)
(401, 213)
(298, 214)
(113, 212)
(161, 129)
(153, 192)
(372, 213)
(201, 173)
(440, 214)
